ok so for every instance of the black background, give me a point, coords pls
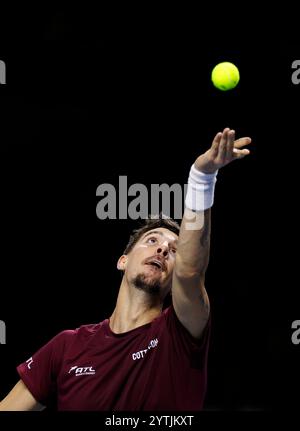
(89, 99)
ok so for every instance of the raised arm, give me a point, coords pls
(20, 399)
(189, 296)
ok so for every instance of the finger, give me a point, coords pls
(216, 143)
(241, 142)
(239, 154)
(222, 147)
(229, 145)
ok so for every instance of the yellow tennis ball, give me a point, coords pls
(225, 76)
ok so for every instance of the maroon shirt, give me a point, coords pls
(157, 366)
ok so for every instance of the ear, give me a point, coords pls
(121, 265)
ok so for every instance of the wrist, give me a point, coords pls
(200, 176)
(200, 189)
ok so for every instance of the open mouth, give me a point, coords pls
(156, 264)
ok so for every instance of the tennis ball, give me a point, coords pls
(225, 76)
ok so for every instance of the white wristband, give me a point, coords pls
(200, 190)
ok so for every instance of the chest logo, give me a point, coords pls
(82, 371)
(142, 353)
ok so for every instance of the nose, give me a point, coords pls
(163, 249)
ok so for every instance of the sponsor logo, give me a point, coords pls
(29, 362)
(82, 371)
(142, 353)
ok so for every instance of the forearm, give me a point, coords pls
(20, 399)
(193, 246)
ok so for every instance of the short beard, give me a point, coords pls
(149, 286)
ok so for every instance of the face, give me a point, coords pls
(149, 265)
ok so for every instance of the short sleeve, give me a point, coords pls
(183, 342)
(39, 373)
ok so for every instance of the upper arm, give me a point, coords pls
(191, 303)
(20, 399)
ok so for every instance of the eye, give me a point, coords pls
(173, 250)
(152, 240)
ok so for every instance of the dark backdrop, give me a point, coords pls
(81, 108)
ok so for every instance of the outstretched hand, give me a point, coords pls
(224, 150)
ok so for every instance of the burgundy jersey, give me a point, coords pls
(157, 366)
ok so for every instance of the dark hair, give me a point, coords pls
(149, 224)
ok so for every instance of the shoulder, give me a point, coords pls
(174, 326)
(87, 330)
(67, 336)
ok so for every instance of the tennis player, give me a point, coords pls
(144, 356)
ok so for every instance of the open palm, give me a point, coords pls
(224, 150)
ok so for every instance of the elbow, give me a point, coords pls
(189, 275)
(187, 269)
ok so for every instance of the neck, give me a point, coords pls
(134, 308)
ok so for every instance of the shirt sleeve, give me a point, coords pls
(39, 373)
(184, 343)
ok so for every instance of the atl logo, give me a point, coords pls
(82, 371)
